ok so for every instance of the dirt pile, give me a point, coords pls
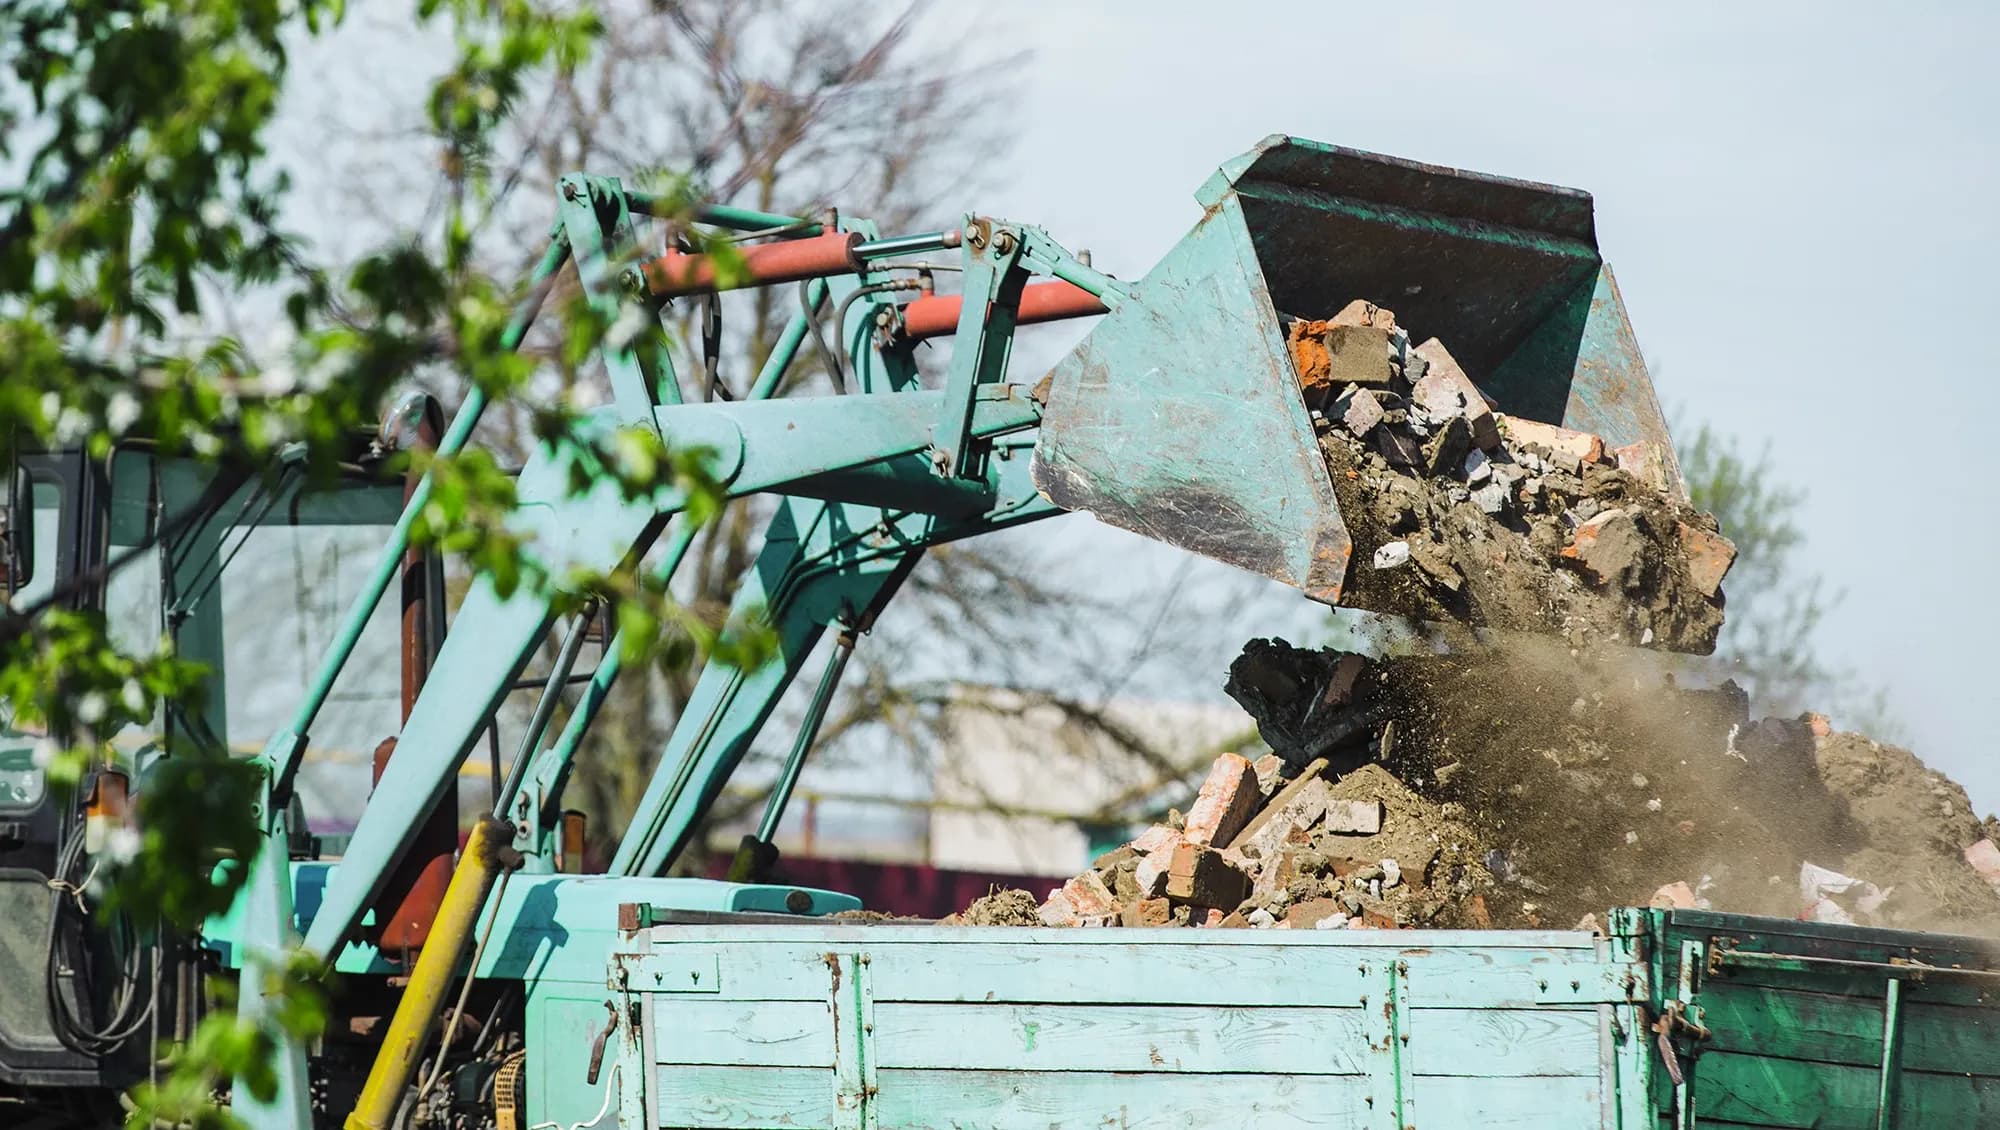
(1595, 779)
(1459, 513)
(1536, 787)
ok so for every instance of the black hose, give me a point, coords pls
(827, 356)
(128, 1007)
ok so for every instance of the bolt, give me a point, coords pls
(633, 279)
(973, 238)
(1003, 243)
(569, 190)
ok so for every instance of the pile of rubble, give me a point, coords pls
(1533, 787)
(1267, 846)
(1461, 513)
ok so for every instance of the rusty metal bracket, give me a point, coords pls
(597, 1045)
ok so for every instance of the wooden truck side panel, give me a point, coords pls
(894, 1026)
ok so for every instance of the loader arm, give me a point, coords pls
(823, 566)
(751, 451)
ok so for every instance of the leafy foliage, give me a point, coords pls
(139, 196)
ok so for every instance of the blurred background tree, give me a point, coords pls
(1777, 600)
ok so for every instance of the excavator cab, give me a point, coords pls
(1180, 416)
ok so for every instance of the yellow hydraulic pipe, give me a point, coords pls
(488, 852)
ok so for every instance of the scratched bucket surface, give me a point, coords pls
(1180, 416)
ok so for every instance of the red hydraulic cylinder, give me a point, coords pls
(937, 315)
(679, 273)
(408, 905)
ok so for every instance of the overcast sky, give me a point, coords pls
(1799, 201)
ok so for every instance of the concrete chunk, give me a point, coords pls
(1353, 817)
(1445, 391)
(1582, 447)
(1148, 912)
(1358, 410)
(1609, 548)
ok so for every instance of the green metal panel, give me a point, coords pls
(1180, 418)
(1812, 1025)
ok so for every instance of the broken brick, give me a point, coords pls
(1214, 917)
(1227, 800)
(1362, 312)
(1709, 556)
(1151, 874)
(1270, 770)
(1674, 896)
(1159, 837)
(1984, 857)
(1275, 874)
(1360, 355)
(1115, 858)
(1088, 895)
(1147, 912)
(1820, 725)
(1201, 876)
(1058, 910)
(1307, 915)
(1340, 685)
(1580, 446)
(1444, 391)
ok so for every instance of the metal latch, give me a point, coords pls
(597, 1045)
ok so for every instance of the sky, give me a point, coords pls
(1798, 201)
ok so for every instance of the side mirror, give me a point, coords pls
(17, 529)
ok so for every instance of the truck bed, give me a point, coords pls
(814, 1024)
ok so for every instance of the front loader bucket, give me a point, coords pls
(1180, 416)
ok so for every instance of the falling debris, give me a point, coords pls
(1508, 522)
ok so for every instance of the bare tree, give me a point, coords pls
(794, 107)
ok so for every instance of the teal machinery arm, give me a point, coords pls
(877, 451)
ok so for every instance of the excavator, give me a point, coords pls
(472, 980)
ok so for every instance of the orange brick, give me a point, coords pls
(1203, 877)
(1709, 556)
(1089, 896)
(1229, 797)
